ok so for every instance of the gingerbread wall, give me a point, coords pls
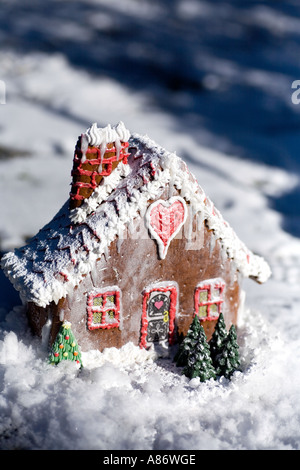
(132, 264)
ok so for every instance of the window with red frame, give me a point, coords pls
(104, 309)
(209, 299)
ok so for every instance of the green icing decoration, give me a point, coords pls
(65, 346)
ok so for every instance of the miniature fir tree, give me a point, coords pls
(228, 360)
(218, 338)
(188, 343)
(199, 363)
(65, 346)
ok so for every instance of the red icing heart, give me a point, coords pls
(165, 220)
(158, 304)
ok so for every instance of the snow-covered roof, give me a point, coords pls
(66, 249)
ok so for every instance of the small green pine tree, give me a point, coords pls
(188, 343)
(218, 338)
(199, 363)
(228, 360)
(65, 346)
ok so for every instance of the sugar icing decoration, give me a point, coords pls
(65, 346)
(104, 308)
(96, 143)
(100, 193)
(164, 220)
(101, 136)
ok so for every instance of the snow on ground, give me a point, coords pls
(211, 81)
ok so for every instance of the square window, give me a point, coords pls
(103, 309)
(209, 299)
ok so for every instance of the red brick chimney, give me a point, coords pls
(97, 154)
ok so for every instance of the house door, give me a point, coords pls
(158, 318)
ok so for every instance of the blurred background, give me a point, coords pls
(211, 80)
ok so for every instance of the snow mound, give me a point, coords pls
(131, 399)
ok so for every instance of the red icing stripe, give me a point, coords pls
(104, 167)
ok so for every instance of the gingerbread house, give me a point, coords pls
(135, 253)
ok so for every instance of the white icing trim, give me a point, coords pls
(102, 136)
(211, 282)
(158, 284)
(162, 249)
(105, 135)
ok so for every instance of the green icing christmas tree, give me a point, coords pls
(188, 343)
(65, 346)
(199, 362)
(228, 360)
(218, 338)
